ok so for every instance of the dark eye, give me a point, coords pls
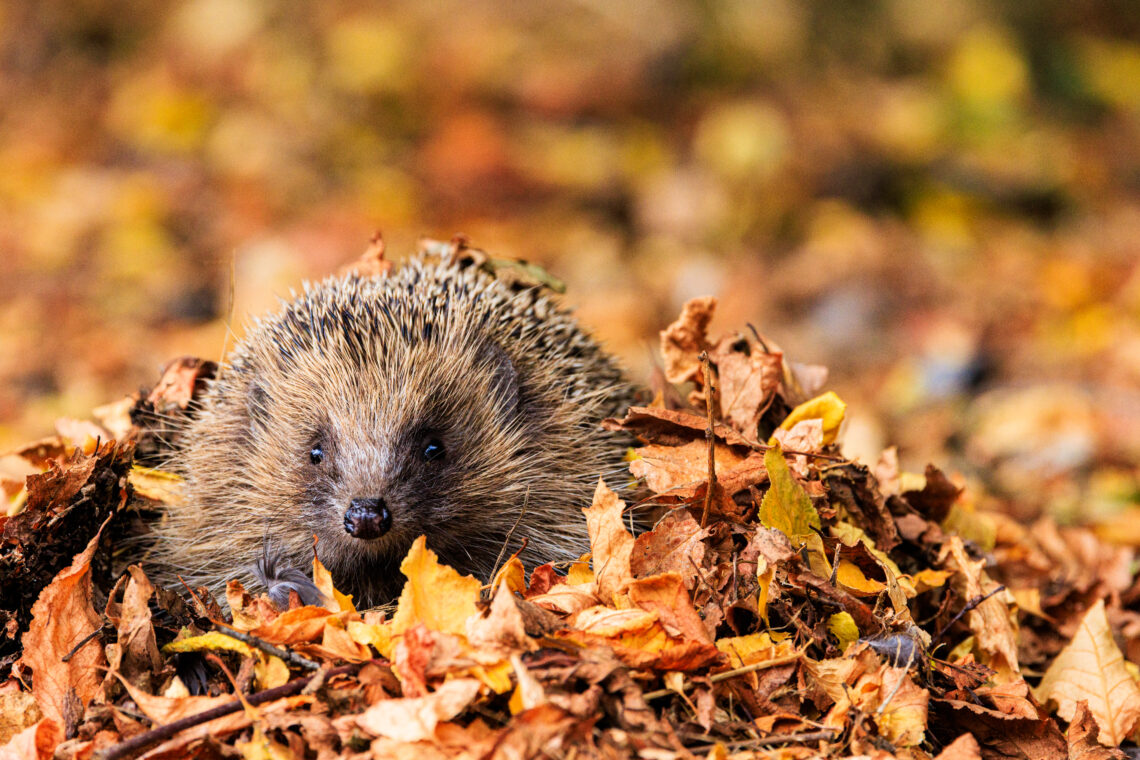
(433, 450)
(316, 455)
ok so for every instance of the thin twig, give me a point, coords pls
(162, 733)
(80, 645)
(710, 437)
(248, 638)
(290, 657)
(969, 606)
(511, 532)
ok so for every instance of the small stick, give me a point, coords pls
(969, 606)
(511, 532)
(290, 657)
(162, 733)
(710, 436)
(81, 643)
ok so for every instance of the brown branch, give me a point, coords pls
(162, 733)
(710, 436)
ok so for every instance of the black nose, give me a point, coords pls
(367, 518)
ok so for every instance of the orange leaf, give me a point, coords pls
(61, 618)
(611, 543)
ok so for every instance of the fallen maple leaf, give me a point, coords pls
(1091, 668)
(434, 594)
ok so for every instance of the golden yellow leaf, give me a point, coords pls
(850, 577)
(827, 407)
(1092, 668)
(270, 672)
(336, 601)
(212, 641)
(435, 594)
(754, 648)
(513, 574)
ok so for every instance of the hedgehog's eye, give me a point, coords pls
(316, 455)
(433, 450)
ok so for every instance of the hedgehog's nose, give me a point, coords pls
(367, 518)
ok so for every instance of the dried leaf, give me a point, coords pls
(1091, 668)
(610, 542)
(828, 408)
(415, 718)
(62, 617)
(682, 341)
(434, 594)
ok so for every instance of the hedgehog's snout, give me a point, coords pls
(367, 518)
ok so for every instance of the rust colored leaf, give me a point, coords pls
(749, 377)
(674, 545)
(1083, 736)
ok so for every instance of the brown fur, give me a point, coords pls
(369, 369)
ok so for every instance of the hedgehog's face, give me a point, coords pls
(400, 452)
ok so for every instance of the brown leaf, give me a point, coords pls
(1092, 669)
(674, 545)
(678, 470)
(62, 617)
(1083, 738)
(36, 742)
(372, 262)
(665, 594)
(669, 427)
(682, 341)
(749, 377)
(965, 747)
(990, 620)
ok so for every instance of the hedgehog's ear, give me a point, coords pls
(504, 377)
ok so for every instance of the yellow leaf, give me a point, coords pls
(580, 573)
(337, 602)
(852, 578)
(511, 573)
(1092, 668)
(158, 485)
(212, 641)
(270, 672)
(843, 628)
(379, 635)
(765, 574)
(786, 506)
(435, 595)
(754, 648)
(828, 407)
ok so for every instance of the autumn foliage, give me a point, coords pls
(787, 602)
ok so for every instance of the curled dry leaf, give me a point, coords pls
(683, 341)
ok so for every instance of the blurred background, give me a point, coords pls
(938, 200)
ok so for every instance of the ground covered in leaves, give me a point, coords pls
(788, 602)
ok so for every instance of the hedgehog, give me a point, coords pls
(436, 401)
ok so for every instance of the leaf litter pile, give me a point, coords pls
(786, 603)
